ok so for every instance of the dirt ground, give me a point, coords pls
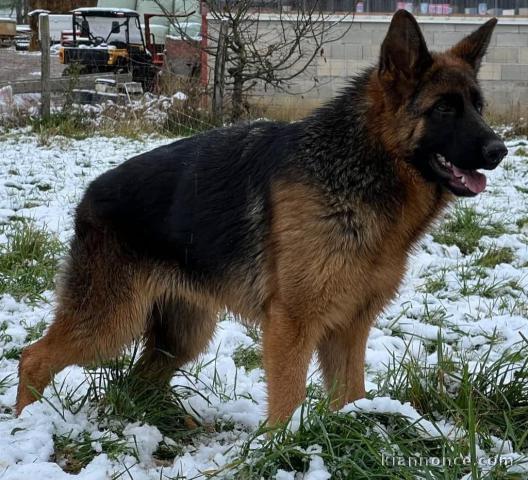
(16, 66)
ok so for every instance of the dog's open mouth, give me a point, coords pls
(460, 182)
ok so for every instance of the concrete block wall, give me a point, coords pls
(503, 75)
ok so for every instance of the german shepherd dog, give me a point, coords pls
(305, 228)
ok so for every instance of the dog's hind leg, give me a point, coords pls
(103, 304)
(177, 333)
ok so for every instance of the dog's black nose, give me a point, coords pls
(494, 152)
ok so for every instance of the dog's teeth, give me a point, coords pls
(463, 180)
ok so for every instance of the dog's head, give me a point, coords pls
(435, 106)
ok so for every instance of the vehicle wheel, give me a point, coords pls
(21, 46)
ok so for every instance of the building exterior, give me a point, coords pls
(60, 6)
(503, 74)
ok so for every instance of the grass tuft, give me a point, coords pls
(485, 404)
(73, 453)
(5, 382)
(435, 283)
(119, 396)
(496, 389)
(464, 228)
(357, 446)
(68, 124)
(495, 256)
(34, 332)
(248, 357)
(522, 222)
(28, 261)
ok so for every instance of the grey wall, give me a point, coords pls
(503, 75)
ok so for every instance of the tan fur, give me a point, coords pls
(106, 320)
(312, 305)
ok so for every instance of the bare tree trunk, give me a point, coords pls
(19, 11)
(219, 75)
(237, 72)
(237, 98)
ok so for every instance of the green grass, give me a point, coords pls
(359, 446)
(352, 447)
(116, 397)
(521, 152)
(73, 453)
(496, 388)
(4, 337)
(119, 397)
(465, 227)
(521, 222)
(486, 401)
(248, 357)
(495, 256)
(435, 283)
(13, 353)
(474, 282)
(67, 124)
(34, 332)
(28, 261)
(5, 382)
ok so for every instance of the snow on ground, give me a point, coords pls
(45, 182)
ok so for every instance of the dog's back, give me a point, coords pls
(198, 203)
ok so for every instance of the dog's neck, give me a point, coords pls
(355, 169)
(349, 162)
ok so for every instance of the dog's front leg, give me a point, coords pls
(288, 345)
(341, 355)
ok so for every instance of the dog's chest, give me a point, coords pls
(339, 258)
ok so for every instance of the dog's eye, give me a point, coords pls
(444, 107)
(479, 106)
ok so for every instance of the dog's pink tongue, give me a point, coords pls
(475, 181)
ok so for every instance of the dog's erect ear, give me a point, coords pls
(404, 52)
(472, 48)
